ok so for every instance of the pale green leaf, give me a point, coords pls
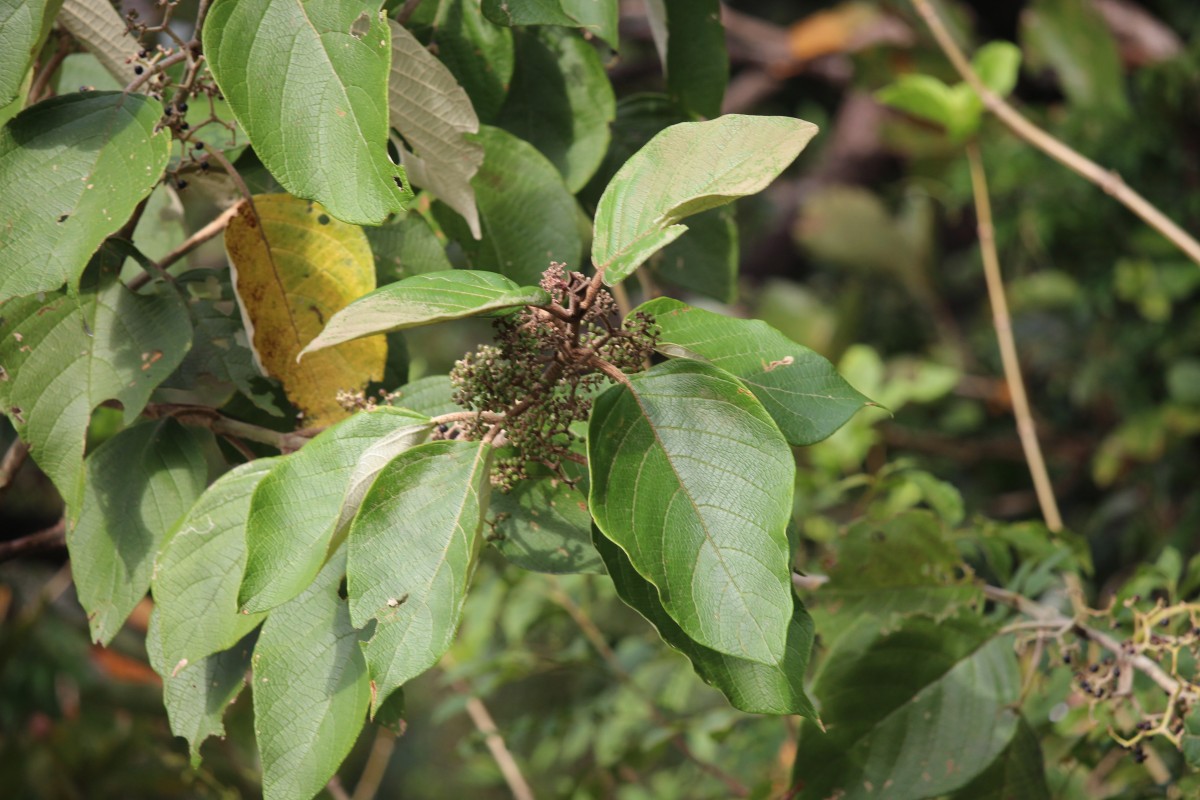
(63, 355)
(998, 65)
(560, 101)
(922, 711)
(476, 50)
(596, 16)
(73, 168)
(776, 688)
(430, 395)
(138, 485)
(23, 27)
(295, 510)
(434, 115)
(308, 83)
(686, 169)
(423, 300)
(311, 691)
(800, 389)
(406, 247)
(529, 216)
(97, 26)
(543, 524)
(197, 694)
(691, 478)
(412, 551)
(922, 96)
(197, 574)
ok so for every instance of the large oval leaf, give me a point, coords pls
(308, 83)
(434, 115)
(23, 26)
(920, 711)
(477, 51)
(752, 687)
(423, 300)
(412, 551)
(197, 574)
(529, 217)
(139, 484)
(293, 268)
(561, 102)
(691, 43)
(693, 480)
(73, 168)
(296, 510)
(800, 389)
(310, 688)
(63, 355)
(595, 16)
(543, 523)
(684, 170)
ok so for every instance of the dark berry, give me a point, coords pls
(138, 70)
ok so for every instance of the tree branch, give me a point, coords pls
(1026, 430)
(1107, 180)
(215, 421)
(484, 723)
(52, 538)
(14, 457)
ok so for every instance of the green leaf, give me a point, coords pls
(97, 26)
(697, 60)
(529, 216)
(308, 84)
(1018, 774)
(543, 525)
(63, 355)
(898, 568)
(706, 260)
(1190, 741)
(310, 688)
(922, 96)
(561, 102)
(686, 169)
(1071, 38)
(595, 16)
(639, 117)
(295, 511)
(691, 478)
(477, 51)
(73, 168)
(429, 395)
(138, 485)
(423, 300)
(801, 390)
(922, 711)
(406, 247)
(197, 574)
(23, 27)
(412, 551)
(998, 64)
(197, 694)
(776, 688)
(434, 115)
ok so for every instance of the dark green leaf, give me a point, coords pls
(752, 687)
(138, 485)
(560, 101)
(477, 51)
(323, 136)
(697, 61)
(596, 16)
(1072, 38)
(693, 480)
(64, 355)
(311, 690)
(704, 261)
(73, 168)
(543, 525)
(429, 395)
(404, 248)
(1018, 774)
(23, 27)
(801, 390)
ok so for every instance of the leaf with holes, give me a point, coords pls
(800, 389)
(63, 355)
(298, 511)
(412, 551)
(139, 484)
(308, 83)
(294, 267)
(73, 168)
(423, 300)
(710, 164)
(691, 478)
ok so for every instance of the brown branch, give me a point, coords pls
(1107, 180)
(377, 762)
(157, 68)
(198, 238)
(14, 457)
(609, 370)
(218, 423)
(52, 538)
(65, 48)
(484, 723)
(1002, 321)
(406, 12)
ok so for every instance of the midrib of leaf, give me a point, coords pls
(695, 508)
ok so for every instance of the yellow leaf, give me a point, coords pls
(294, 266)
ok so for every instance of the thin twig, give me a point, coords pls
(593, 635)
(157, 68)
(65, 48)
(406, 13)
(336, 790)
(198, 238)
(14, 457)
(52, 538)
(206, 417)
(1109, 181)
(622, 297)
(484, 723)
(377, 762)
(1026, 429)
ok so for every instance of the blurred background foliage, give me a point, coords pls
(865, 252)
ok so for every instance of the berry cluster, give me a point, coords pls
(546, 365)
